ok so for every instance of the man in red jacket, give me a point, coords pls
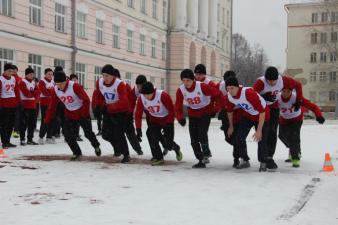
(268, 86)
(291, 120)
(76, 111)
(254, 113)
(161, 119)
(115, 95)
(16, 130)
(198, 97)
(9, 95)
(98, 109)
(46, 86)
(29, 94)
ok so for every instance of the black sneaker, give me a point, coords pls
(262, 167)
(271, 165)
(126, 159)
(10, 145)
(31, 142)
(236, 163)
(75, 158)
(97, 151)
(117, 154)
(199, 165)
(139, 152)
(23, 143)
(206, 160)
(165, 152)
(243, 164)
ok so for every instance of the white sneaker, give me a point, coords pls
(50, 141)
(41, 142)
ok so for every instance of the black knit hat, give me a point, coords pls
(141, 79)
(108, 69)
(147, 88)
(232, 81)
(48, 70)
(8, 66)
(188, 74)
(271, 73)
(59, 77)
(117, 73)
(228, 74)
(15, 67)
(58, 68)
(29, 70)
(200, 68)
(72, 76)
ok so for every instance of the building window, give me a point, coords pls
(333, 57)
(81, 73)
(323, 38)
(164, 51)
(6, 7)
(313, 38)
(142, 44)
(60, 14)
(322, 76)
(35, 61)
(334, 36)
(313, 77)
(323, 96)
(129, 40)
(99, 31)
(325, 17)
(163, 84)
(130, 3)
(97, 74)
(332, 96)
(60, 62)
(333, 76)
(128, 78)
(35, 14)
(153, 48)
(143, 7)
(81, 24)
(313, 57)
(155, 9)
(323, 57)
(116, 36)
(164, 12)
(6, 56)
(334, 17)
(314, 17)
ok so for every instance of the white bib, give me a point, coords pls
(8, 87)
(30, 86)
(195, 99)
(110, 94)
(155, 107)
(48, 85)
(243, 103)
(71, 101)
(273, 89)
(286, 108)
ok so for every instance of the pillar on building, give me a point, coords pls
(212, 20)
(181, 14)
(203, 15)
(193, 15)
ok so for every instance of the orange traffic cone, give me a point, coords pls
(2, 154)
(328, 167)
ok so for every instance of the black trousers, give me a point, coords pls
(28, 122)
(231, 140)
(244, 127)
(149, 134)
(198, 129)
(98, 114)
(7, 121)
(130, 132)
(272, 131)
(157, 132)
(17, 118)
(113, 129)
(289, 134)
(59, 119)
(70, 129)
(44, 128)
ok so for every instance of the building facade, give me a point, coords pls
(157, 38)
(312, 50)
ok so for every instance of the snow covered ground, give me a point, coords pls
(95, 192)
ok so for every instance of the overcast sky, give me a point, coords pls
(263, 22)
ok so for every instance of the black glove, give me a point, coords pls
(222, 115)
(182, 122)
(296, 105)
(139, 134)
(269, 97)
(320, 119)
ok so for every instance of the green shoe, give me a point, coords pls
(15, 134)
(179, 155)
(295, 163)
(76, 158)
(97, 151)
(157, 162)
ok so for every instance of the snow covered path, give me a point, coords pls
(96, 193)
